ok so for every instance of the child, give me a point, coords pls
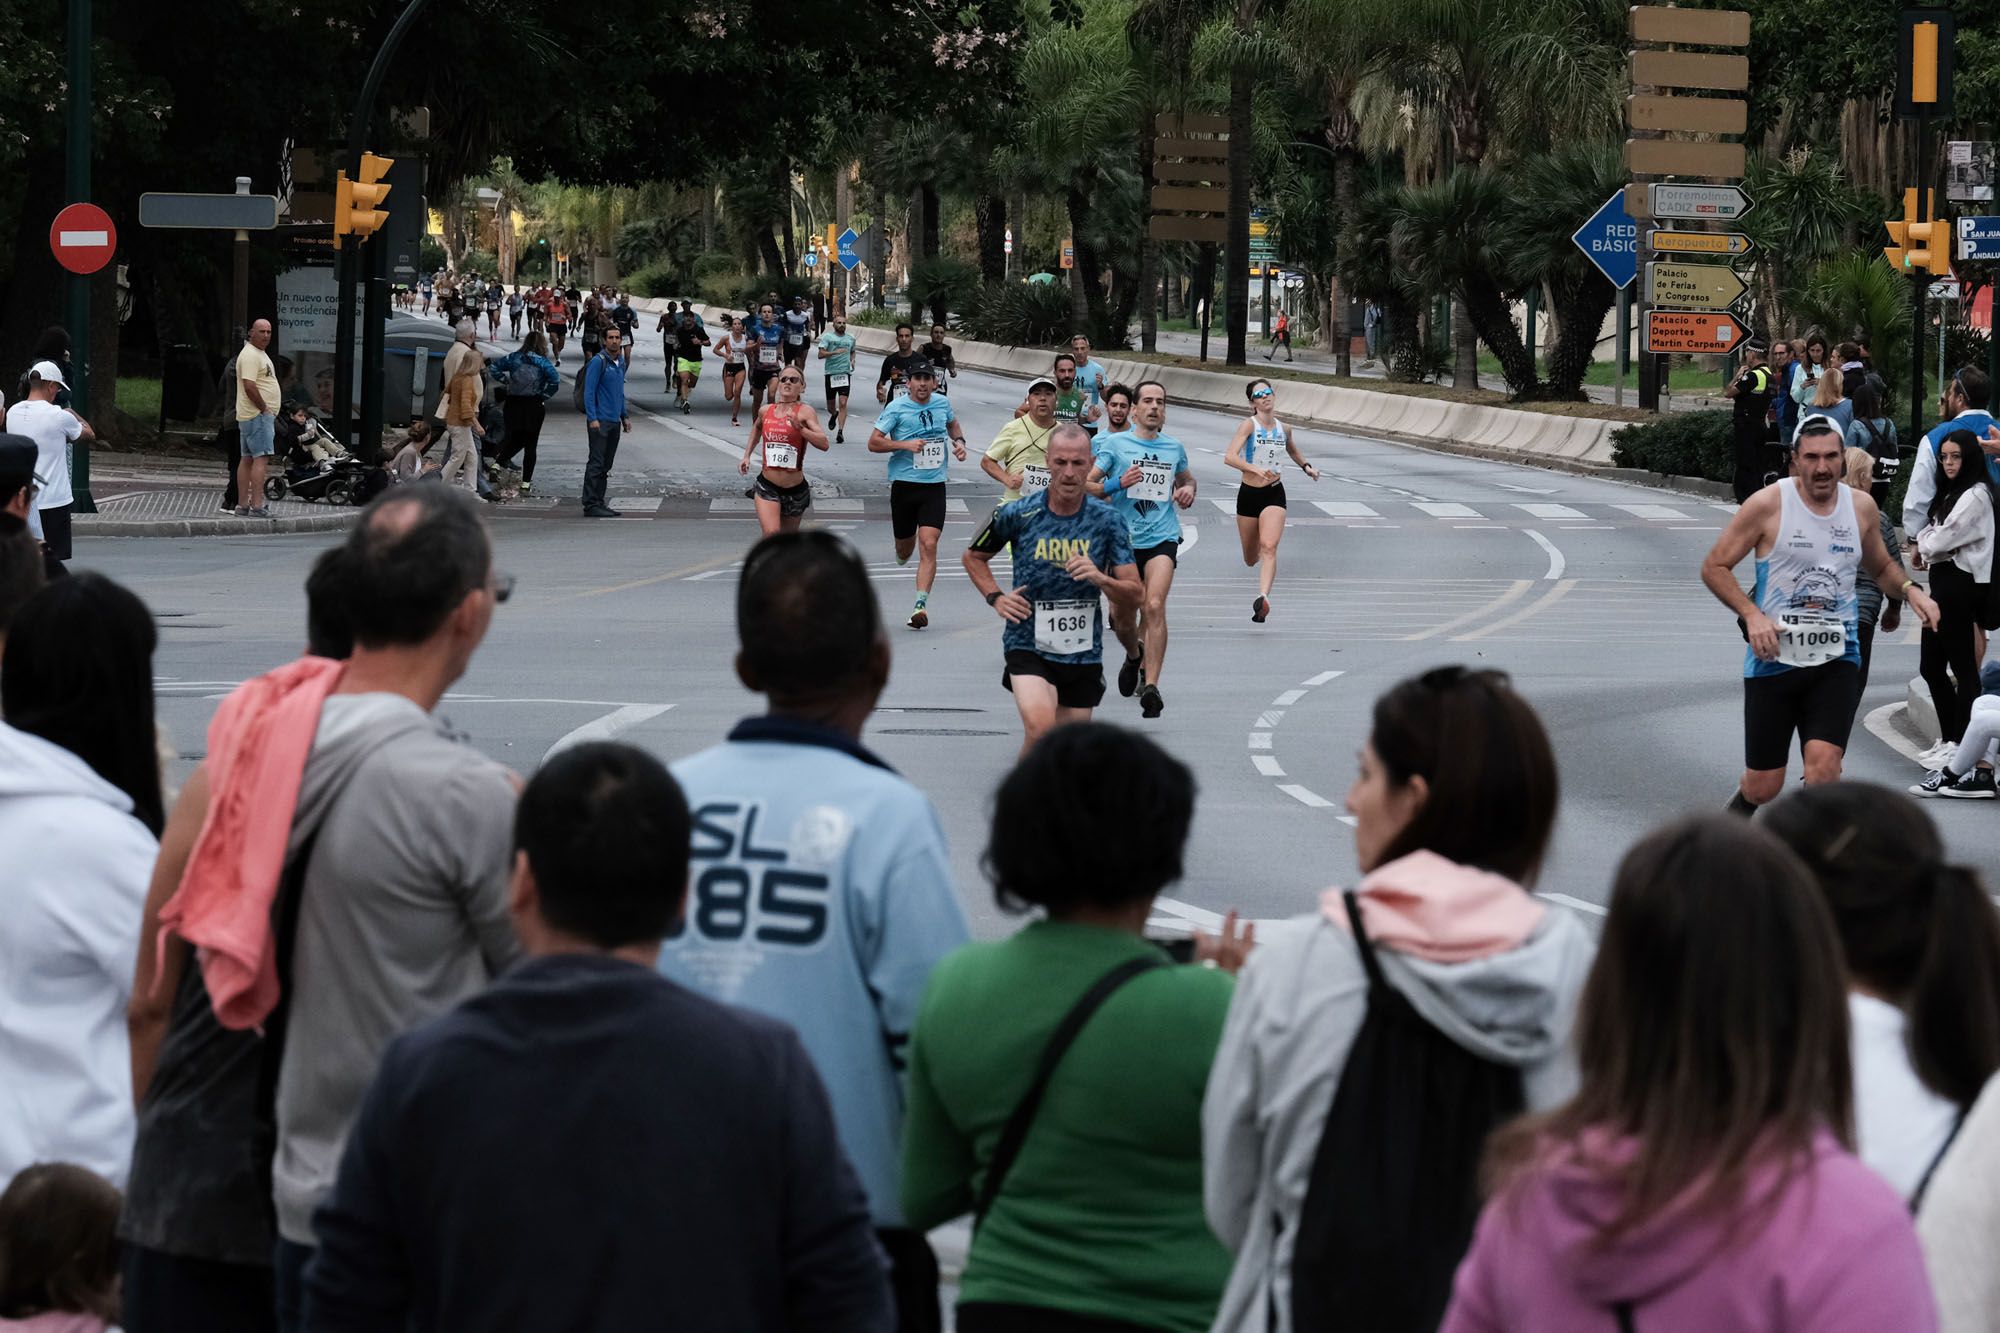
(410, 461)
(58, 1251)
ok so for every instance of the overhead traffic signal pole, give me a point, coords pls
(1923, 90)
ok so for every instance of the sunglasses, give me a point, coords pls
(1262, 393)
(790, 379)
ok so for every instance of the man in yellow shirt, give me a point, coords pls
(1018, 458)
(257, 400)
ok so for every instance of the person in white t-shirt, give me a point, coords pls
(53, 429)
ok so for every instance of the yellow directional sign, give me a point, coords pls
(1732, 243)
(1693, 286)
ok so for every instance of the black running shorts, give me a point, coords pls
(1817, 703)
(1254, 500)
(915, 504)
(1170, 551)
(1078, 684)
(792, 501)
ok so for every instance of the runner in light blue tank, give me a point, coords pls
(1259, 450)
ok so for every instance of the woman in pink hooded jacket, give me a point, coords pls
(1703, 1176)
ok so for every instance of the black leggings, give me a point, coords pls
(1951, 649)
(524, 415)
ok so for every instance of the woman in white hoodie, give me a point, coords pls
(1956, 546)
(80, 813)
(1453, 807)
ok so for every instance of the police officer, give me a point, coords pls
(1751, 391)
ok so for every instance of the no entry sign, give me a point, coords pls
(83, 238)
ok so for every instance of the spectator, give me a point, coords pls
(1870, 606)
(257, 398)
(392, 905)
(844, 859)
(606, 420)
(1095, 1222)
(1785, 373)
(531, 380)
(1921, 941)
(21, 574)
(678, 1150)
(1959, 1224)
(1827, 400)
(80, 815)
(1701, 1178)
(18, 490)
(1965, 401)
(413, 459)
(1876, 433)
(58, 1251)
(1956, 546)
(55, 430)
(1812, 365)
(196, 1228)
(1453, 807)
(462, 394)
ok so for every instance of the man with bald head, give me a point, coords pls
(257, 398)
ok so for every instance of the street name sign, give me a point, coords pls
(1731, 243)
(1979, 238)
(1610, 241)
(1703, 203)
(1696, 332)
(1699, 286)
(209, 212)
(83, 238)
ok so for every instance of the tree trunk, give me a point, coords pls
(878, 254)
(708, 215)
(1580, 308)
(1078, 200)
(1149, 249)
(1236, 263)
(1405, 354)
(1489, 319)
(1201, 296)
(767, 250)
(1346, 167)
(1464, 346)
(990, 212)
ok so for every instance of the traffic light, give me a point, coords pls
(1918, 240)
(1899, 232)
(356, 209)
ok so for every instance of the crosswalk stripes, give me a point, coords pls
(1345, 509)
(1388, 512)
(1654, 513)
(1437, 509)
(1550, 511)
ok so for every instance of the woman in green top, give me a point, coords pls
(1098, 1223)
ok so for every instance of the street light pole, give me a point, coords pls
(77, 189)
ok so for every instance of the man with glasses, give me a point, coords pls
(914, 430)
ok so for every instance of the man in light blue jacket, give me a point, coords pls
(604, 413)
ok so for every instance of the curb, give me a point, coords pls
(89, 525)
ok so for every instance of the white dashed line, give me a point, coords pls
(1323, 677)
(1304, 797)
(1288, 698)
(1345, 509)
(1266, 765)
(1260, 740)
(1556, 561)
(1550, 511)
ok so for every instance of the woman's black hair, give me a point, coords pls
(1867, 400)
(1914, 929)
(59, 1243)
(79, 674)
(1092, 816)
(1972, 472)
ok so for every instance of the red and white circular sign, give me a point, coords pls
(83, 238)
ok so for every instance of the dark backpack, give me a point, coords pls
(1393, 1194)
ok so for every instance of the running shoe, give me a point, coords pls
(1150, 702)
(1260, 606)
(1974, 786)
(919, 618)
(1937, 754)
(686, 407)
(840, 436)
(1936, 782)
(1128, 677)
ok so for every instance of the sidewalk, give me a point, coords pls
(158, 495)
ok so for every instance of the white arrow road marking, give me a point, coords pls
(605, 728)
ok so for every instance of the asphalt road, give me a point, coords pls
(1398, 560)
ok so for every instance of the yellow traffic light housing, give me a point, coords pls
(1919, 240)
(1899, 232)
(356, 204)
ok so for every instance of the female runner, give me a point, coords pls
(729, 345)
(783, 428)
(1258, 450)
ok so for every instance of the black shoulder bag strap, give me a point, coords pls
(1015, 1132)
(1624, 1312)
(1369, 961)
(1958, 1123)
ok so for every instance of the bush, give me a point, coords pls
(641, 243)
(1019, 314)
(869, 317)
(1679, 444)
(722, 289)
(750, 291)
(718, 264)
(659, 278)
(940, 285)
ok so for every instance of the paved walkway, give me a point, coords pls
(154, 495)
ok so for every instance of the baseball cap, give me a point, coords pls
(17, 461)
(1820, 424)
(48, 370)
(1042, 382)
(924, 368)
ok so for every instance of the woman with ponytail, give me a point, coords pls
(1921, 941)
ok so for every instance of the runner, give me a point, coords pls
(1068, 548)
(1801, 672)
(766, 336)
(912, 430)
(1090, 377)
(627, 320)
(558, 323)
(1018, 458)
(783, 429)
(730, 347)
(1072, 399)
(1145, 474)
(495, 295)
(837, 350)
(1258, 451)
(938, 352)
(515, 306)
(896, 366)
(538, 308)
(798, 332)
(1117, 409)
(424, 289)
(688, 342)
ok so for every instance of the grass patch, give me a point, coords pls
(139, 398)
(1682, 379)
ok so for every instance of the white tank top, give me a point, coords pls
(1808, 578)
(1267, 447)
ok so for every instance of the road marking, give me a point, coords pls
(1305, 797)
(1436, 510)
(1323, 677)
(1189, 536)
(604, 728)
(1344, 509)
(1260, 740)
(955, 506)
(1655, 513)
(1266, 765)
(699, 437)
(1556, 561)
(838, 504)
(719, 562)
(644, 504)
(1727, 509)
(1513, 594)
(1288, 698)
(1551, 511)
(1526, 490)
(1540, 604)
(1695, 529)
(1269, 718)
(1195, 918)
(732, 504)
(1595, 909)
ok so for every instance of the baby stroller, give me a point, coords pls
(316, 467)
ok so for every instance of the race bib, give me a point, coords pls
(1066, 627)
(1807, 640)
(1270, 456)
(1156, 481)
(931, 455)
(1034, 479)
(784, 457)
(836, 381)
(767, 356)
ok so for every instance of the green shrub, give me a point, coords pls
(940, 285)
(1019, 314)
(641, 243)
(1679, 444)
(717, 264)
(722, 289)
(869, 317)
(752, 290)
(659, 278)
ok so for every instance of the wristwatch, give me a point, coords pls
(993, 596)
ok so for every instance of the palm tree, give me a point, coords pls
(1328, 52)
(1806, 212)
(1857, 294)
(1550, 194)
(1443, 233)
(1369, 269)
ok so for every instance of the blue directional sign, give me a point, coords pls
(1979, 238)
(847, 241)
(1610, 240)
(811, 259)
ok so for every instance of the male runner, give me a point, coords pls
(1146, 473)
(627, 320)
(515, 305)
(913, 430)
(766, 337)
(1018, 458)
(938, 352)
(1802, 671)
(495, 295)
(1117, 409)
(896, 365)
(1072, 400)
(1068, 547)
(837, 350)
(1090, 375)
(798, 332)
(688, 342)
